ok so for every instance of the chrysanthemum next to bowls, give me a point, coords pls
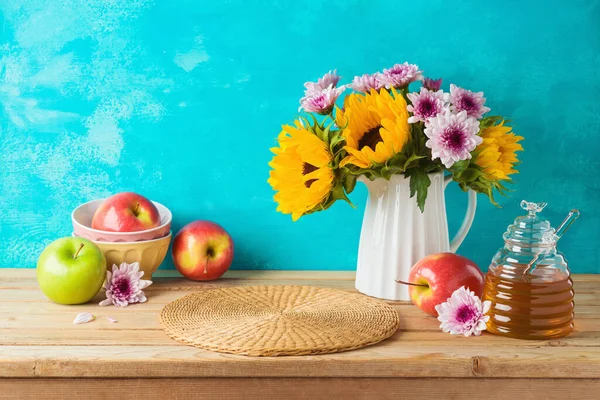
(383, 129)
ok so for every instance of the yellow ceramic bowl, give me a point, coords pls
(149, 253)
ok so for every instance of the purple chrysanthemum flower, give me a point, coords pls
(400, 75)
(367, 82)
(321, 102)
(452, 137)
(465, 100)
(463, 313)
(329, 79)
(426, 104)
(124, 286)
(432, 84)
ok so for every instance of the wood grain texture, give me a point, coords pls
(299, 388)
(37, 339)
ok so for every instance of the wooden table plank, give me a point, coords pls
(411, 320)
(299, 388)
(385, 360)
(37, 339)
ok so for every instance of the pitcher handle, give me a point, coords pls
(467, 221)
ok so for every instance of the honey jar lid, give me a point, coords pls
(531, 229)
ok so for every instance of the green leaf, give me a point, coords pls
(490, 121)
(335, 138)
(470, 175)
(419, 183)
(433, 167)
(349, 182)
(314, 120)
(398, 159)
(338, 193)
(388, 171)
(459, 167)
(463, 186)
(479, 186)
(412, 161)
(490, 194)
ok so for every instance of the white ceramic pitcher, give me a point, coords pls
(395, 234)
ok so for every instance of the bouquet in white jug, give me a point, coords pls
(383, 129)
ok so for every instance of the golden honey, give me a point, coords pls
(529, 310)
(528, 282)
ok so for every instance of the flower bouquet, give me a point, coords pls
(383, 129)
(385, 134)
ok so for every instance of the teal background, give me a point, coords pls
(181, 100)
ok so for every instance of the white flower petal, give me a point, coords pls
(486, 306)
(83, 318)
(111, 320)
(105, 302)
(124, 268)
(108, 280)
(120, 303)
(144, 284)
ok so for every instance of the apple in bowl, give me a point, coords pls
(202, 251)
(126, 212)
(434, 278)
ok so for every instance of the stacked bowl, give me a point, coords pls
(148, 248)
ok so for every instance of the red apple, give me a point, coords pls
(202, 251)
(433, 279)
(126, 212)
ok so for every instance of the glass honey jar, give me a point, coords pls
(528, 281)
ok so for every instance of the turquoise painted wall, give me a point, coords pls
(180, 100)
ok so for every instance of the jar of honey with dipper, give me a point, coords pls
(528, 281)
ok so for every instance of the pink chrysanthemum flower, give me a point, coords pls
(329, 79)
(465, 100)
(400, 75)
(321, 102)
(432, 84)
(463, 313)
(452, 137)
(426, 104)
(124, 285)
(367, 82)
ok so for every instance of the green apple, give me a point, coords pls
(71, 270)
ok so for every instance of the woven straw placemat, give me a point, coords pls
(278, 320)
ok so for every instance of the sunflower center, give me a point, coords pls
(307, 168)
(309, 182)
(370, 138)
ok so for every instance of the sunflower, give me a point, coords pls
(302, 175)
(496, 155)
(375, 126)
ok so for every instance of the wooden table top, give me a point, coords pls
(38, 339)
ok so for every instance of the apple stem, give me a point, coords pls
(206, 266)
(412, 284)
(78, 250)
(137, 207)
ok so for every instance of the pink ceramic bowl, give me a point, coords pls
(82, 220)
